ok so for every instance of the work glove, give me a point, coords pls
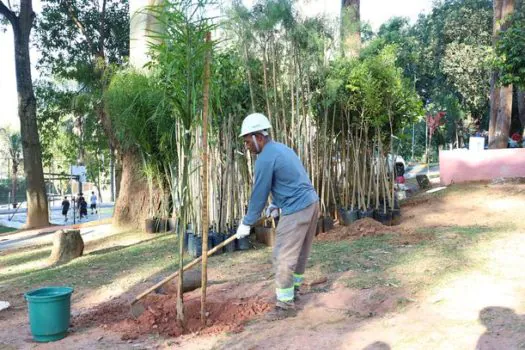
(242, 231)
(272, 211)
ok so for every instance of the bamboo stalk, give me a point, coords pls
(205, 223)
(377, 167)
(265, 82)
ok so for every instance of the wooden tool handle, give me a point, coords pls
(186, 267)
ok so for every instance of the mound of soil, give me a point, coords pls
(160, 316)
(360, 228)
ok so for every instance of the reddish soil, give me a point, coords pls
(360, 228)
(160, 315)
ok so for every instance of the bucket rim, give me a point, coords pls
(65, 291)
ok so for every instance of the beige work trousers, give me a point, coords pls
(293, 242)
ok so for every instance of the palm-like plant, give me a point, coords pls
(12, 149)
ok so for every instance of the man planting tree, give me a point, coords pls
(279, 170)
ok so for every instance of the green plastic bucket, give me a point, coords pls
(49, 312)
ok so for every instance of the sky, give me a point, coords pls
(375, 12)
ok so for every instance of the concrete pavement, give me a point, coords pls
(45, 236)
(9, 218)
(421, 169)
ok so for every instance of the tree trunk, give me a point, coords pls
(494, 87)
(501, 135)
(37, 215)
(98, 188)
(504, 116)
(351, 28)
(130, 187)
(112, 171)
(132, 205)
(13, 183)
(494, 105)
(521, 108)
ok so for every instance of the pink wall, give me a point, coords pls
(463, 165)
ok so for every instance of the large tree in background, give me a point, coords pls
(510, 46)
(350, 27)
(500, 95)
(22, 23)
(82, 41)
(444, 54)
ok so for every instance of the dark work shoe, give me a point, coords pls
(281, 311)
(296, 294)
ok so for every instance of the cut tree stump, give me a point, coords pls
(67, 245)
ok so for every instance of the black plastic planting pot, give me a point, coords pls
(396, 216)
(161, 225)
(348, 216)
(319, 226)
(328, 223)
(149, 225)
(195, 245)
(382, 217)
(242, 244)
(230, 247)
(369, 213)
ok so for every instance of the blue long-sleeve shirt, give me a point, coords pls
(279, 170)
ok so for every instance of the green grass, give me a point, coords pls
(4, 229)
(384, 261)
(113, 258)
(359, 255)
(95, 270)
(25, 256)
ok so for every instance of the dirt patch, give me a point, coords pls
(360, 228)
(102, 315)
(160, 316)
(410, 237)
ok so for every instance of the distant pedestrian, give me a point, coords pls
(65, 208)
(82, 205)
(93, 203)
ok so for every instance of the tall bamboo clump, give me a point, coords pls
(278, 64)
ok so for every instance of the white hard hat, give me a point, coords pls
(253, 123)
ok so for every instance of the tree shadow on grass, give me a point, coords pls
(23, 257)
(96, 270)
(116, 247)
(11, 244)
